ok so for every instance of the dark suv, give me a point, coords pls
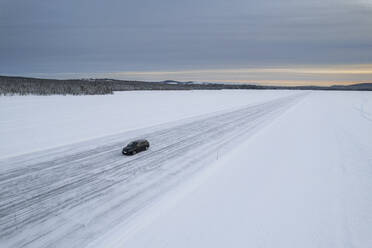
(136, 146)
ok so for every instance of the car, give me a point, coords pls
(136, 146)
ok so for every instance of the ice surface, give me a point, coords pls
(280, 169)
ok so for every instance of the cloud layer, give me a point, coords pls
(103, 36)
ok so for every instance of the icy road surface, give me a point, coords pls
(70, 196)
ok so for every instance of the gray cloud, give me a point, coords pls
(112, 35)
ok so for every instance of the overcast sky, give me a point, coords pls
(203, 40)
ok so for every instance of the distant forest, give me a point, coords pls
(36, 86)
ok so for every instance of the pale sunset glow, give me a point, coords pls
(280, 75)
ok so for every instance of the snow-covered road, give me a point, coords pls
(70, 196)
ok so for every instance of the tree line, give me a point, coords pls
(37, 86)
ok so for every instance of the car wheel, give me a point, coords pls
(134, 152)
(146, 148)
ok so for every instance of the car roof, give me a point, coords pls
(140, 140)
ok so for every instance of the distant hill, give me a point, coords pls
(177, 82)
(37, 86)
(364, 86)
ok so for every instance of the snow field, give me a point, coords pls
(303, 181)
(32, 123)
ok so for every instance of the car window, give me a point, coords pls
(132, 143)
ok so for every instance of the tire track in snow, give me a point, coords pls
(36, 196)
